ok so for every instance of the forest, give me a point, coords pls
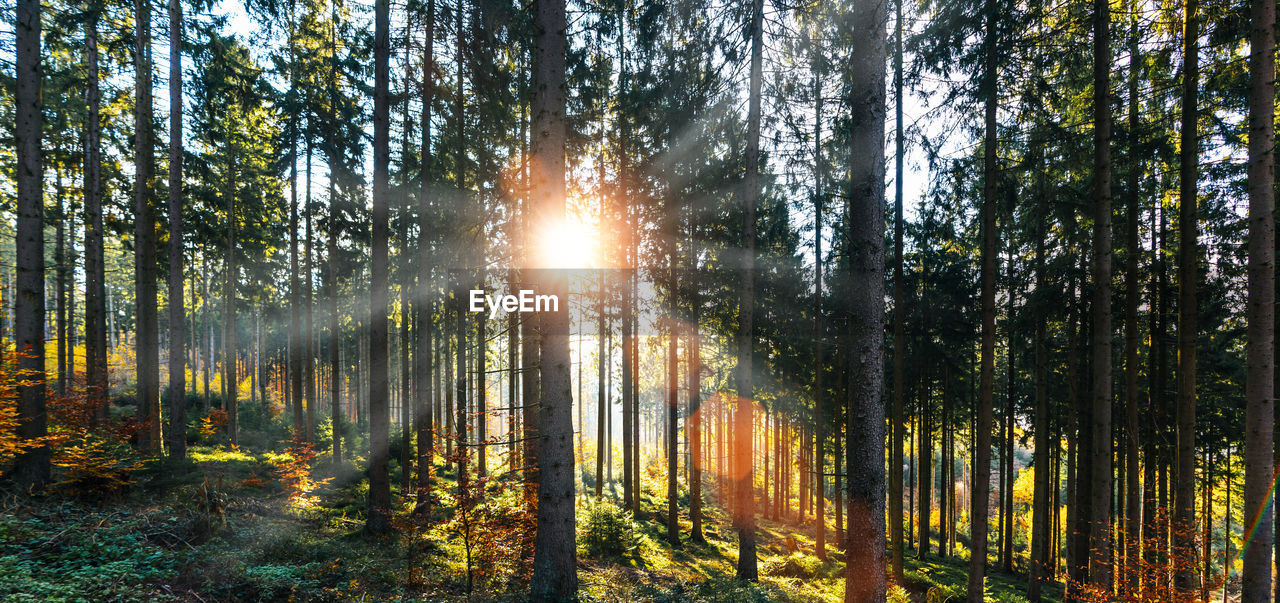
(622, 300)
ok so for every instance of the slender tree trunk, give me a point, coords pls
(308, 325)
(1039, 562)
(865, 561)
(925, 464)
(744, 507)
(423, 360)
(1188, 258)
(899, 328)
(379, 518)
(555, 575)
(147, 343)
(982, 429)
(230, 379)
(672, 424)
(1260, 366)
(1099, 529)
(1133, 293)
(820, 466)
(177, 310)
(95, 320)
(694, 425)
(603, 360)
(295, 280)
(60, 271)
(31, 468)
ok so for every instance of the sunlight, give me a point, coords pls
(572, 244)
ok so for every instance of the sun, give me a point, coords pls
(572, 243)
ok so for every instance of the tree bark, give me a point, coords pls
(177, 313)
(1188, 259)
(982, 429)
(555, 575)
(379, 518)
(1260, 365)
(31, 468)
(422, 303)
(865, 563)
(147, 343)
(95, 319)
(1133, 290)
(899, 328)
(744, 504)
(1100, 521)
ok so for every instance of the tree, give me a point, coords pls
(379, 518)
(31, 468)
(1188, 258)
(1259, 376)
(95, 319)
(743, 475)
(899, 328)
(555, 574)
(177, 310)
(865, 425)
(148, 346)
(423, 357)
(982, 427)
(1100, 461)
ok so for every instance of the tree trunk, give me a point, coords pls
(925, 471)
(95, 319)
(147, 343)
(1259, 369)
(1188, 258)
(1041, 571)
(295, 280)
(379, 518)
(423, 360)
(899, 328)
(60, 274)
(820, 465)
(694, 426)
(555, 574)
(672, 424)
(31, 468)
(982, 429)
(177, 313)
(865, 566)
(230, 377)
(744, 507)
(1100, 520)
(1133, 289)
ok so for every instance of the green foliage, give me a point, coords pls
(606, 530)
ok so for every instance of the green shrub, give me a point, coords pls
(606, 530)
(795, 565)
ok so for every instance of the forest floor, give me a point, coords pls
(220, 528)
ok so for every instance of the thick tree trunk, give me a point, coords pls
(31, 468)
(982, 429)
(865, 562)
(744, 503)
(379, 518)
(555, 575)
(1188, 259)
(177, 310)
(1260, 366)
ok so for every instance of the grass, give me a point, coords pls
(177, 536)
